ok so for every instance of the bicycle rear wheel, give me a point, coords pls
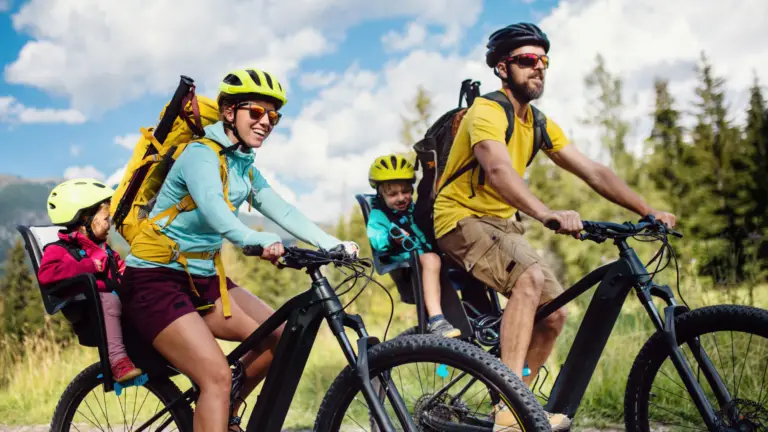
(84, 406)
(446, 384)
(734, 339)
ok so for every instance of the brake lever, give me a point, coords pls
(592, 237)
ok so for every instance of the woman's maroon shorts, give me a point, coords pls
(153, 298)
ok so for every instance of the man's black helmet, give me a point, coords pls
(502, 41)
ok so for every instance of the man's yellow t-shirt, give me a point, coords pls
(485, 120)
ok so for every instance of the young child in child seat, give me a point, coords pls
(82, 207)
(391, 229)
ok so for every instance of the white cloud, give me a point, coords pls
(13, 111)
(317, 79)
(643, 40)
(75, 150)
(414, 36)
(114, 179)
(128, 141)
(94, 53)
(5, 5)
(331, 143)
(87, 171)
(284, 191)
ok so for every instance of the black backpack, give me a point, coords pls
(433, 150)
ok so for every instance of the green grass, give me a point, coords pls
(34, 375)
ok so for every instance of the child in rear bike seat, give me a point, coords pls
(82, 207)
(392, 230)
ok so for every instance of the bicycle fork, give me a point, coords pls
(667, 327)
(337, 320)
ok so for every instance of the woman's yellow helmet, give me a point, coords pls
(250, 82)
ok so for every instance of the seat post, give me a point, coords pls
(418, 292)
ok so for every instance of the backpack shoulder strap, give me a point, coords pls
(223, 167)
(187, 203)
(72, 249)
(540, 135)
(500, 98)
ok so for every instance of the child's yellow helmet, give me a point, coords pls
(389, 168)
(68, 200)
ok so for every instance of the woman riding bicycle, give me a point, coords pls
(182, 306)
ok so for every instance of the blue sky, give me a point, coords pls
(77, 76)
(46, 150)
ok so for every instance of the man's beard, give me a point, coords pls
(525, 94)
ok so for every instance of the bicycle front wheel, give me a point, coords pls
(445, 384)
(726, 347)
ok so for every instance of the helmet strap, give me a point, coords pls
(510, 82)
(231, 127)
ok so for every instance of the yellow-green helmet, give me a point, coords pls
(389, 168)
(68, 200)
(241, 84)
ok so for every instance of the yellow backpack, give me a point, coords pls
(146, 171)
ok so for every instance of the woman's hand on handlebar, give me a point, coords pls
(351, 248)
(273, 252)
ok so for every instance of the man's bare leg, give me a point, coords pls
(542, 341)
(517, 321)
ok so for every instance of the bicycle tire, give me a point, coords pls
(165, 390)
(432, 348)
(690, 324)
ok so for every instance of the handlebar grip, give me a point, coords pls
(553, 225)
(255, 250)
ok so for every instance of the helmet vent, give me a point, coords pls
(269, 81)
(233, 79)
(384, 164)
(254, 76)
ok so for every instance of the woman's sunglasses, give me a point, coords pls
(529, 60)
(257, 111)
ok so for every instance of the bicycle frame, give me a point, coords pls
(303, 315)
(615, 281)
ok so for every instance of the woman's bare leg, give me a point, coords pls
(248, 312)
(188, 344)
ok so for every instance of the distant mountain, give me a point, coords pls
(22, 202)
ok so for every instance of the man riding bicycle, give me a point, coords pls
(474, 225)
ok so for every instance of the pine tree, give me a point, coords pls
(754, 177)
(715, 204)
(23, 311)
(668, 167)
(414, 127)
(607, 114)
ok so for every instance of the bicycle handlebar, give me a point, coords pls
(299, 258)
(600, 231)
